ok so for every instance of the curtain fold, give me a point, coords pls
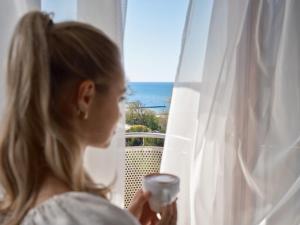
(234, 138)
(183, 115)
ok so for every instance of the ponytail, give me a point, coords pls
(28, 64)
(26, 113)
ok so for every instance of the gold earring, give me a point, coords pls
(86, 116)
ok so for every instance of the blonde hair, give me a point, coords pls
(36, 136)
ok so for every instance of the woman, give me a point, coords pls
(64, 84)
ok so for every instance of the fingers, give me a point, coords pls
(166, 215)
(169, 215)
(138, 203)
(154, 220)
(174, 216)
(140, 198)
(140, 209)
(147, 215)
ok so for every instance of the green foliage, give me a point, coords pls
(154, 142)
(144, 120)
(136, 115)
(139, 128)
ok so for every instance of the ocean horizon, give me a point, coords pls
(155, 96)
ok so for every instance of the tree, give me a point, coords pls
(145, 120)
(137, 115)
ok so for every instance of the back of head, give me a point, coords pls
(36, 135)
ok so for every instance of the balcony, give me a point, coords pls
(139, 161)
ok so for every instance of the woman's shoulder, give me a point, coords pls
(78, 208)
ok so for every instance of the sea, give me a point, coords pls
(155, 96)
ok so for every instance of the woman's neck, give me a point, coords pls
(51, 186)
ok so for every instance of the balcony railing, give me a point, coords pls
(140, 161)
(144, 135)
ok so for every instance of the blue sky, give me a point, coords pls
(152, 36)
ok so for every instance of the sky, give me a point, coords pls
(152, 40)
(153, 35)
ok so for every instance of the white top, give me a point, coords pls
(78, 208)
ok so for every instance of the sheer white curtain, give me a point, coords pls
(10, 12)
(107, 166)
(183, 116)
(234, 139)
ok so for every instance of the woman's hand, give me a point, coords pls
(140, 208)
(168, 215)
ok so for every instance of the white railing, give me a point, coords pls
(140, 161)
(144, 135)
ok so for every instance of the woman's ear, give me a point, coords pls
(85, 95)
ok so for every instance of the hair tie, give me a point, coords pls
(50, 21)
